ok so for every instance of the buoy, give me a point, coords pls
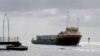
(88, 40)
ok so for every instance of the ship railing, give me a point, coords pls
(75, 33)
(12, 39)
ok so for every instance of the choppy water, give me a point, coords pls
(84, 49)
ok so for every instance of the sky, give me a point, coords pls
(29, 18)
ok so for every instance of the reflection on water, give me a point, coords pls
(83, 49)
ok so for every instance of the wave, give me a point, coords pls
(90, 43)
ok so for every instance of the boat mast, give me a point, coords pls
(6, 17)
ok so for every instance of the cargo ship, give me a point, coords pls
(71, 36)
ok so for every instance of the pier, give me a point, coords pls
(12, 43)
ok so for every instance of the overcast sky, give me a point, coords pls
(29, 18)
(27, 5)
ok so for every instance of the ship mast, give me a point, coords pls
(78, 22)
(68, 18)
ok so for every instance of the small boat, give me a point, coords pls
(21, 48)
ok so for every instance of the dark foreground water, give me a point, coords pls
(84, 49)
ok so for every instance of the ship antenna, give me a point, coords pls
(68, 18)
(6, 17)
(78, 22)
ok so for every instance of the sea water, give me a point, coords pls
(83, 49)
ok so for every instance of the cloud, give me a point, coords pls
(29, 18)
(27, 5)
(88, 17)
(28, 24)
